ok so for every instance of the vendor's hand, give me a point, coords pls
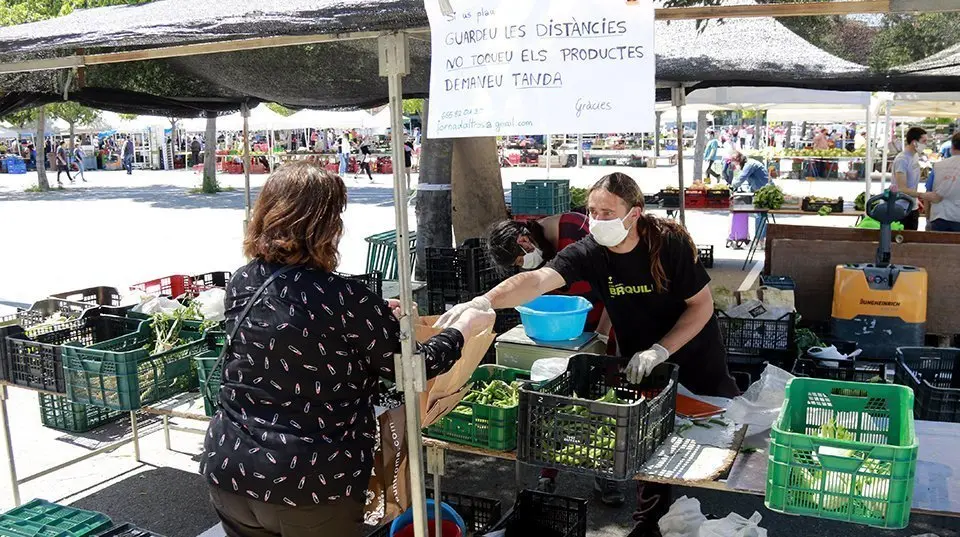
(642, 363)
(474, 321)
(447, 319)
(931, 197)
(395, 309)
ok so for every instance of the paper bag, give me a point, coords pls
(388, 493)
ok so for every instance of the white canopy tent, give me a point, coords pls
(136, 124)
(330, 119)
(922, 105)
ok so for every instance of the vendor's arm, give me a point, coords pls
(524, 287)
(691, 321)
(900, 175)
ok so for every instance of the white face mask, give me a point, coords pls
(532, 259)
(921, 147)
(608, 233)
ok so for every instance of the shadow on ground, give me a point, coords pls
(166, 501)
(175, 197)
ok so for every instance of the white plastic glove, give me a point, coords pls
(642, 363)
(447, 319)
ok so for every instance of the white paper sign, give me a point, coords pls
(502, 67)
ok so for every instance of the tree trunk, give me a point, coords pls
(477, 187)
(757, 123)
(72, 143)
(434, 219)
(803, 131)
(42, 182)
(174, 145)
(699, 145)
(656, 135)
(210, 156)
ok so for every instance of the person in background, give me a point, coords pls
(290, 450)
(127, 155)
(755, 175)
(408, 159)
(945, 148)
(79, 155)
(195, 149)
(860, 140)
(730, 149)
(32, 161)
(710, 154)
(942, 197)
(365, 158)
(63, 163)
(906, 172)
(344, 152)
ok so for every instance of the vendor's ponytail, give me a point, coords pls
(653, 230)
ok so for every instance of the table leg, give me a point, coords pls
(166, 430)
(755, 243)
(136, 435)
(437, 515)
(518, 476)
(8, 444)
(435, 466)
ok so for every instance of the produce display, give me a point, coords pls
(768, 197)
(860, 202)
(824, 153)
(599, 454)
(700, 185)
(50, 322)
(167, 326)
(495, 393)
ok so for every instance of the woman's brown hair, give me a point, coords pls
(296, 219)
(653, 231)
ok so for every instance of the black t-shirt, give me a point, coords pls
(641, 315)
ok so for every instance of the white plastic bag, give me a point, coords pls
(157, 304)
(211, 304)
(683, 519)
(760, 404)
(733, 525)
(547, 368)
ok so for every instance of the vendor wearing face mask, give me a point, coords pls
(649, 278)
(530, 245)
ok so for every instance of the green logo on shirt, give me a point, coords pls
(618, 289)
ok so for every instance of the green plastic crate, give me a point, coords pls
(382, 253)
(40, 518)
(540, 197)
(489, 427)
(120, 374)
(869, 482)
(56, 412)
(205, 369)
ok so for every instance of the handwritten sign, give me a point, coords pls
(503, 67)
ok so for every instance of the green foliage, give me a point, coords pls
(908, 38)
(412, 107)
(128, 117)
(22, 11)
(73, 113)
(280, 109)
(22, 119)
(578, 197)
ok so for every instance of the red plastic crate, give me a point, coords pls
(526, 217)
(514, 158)
(173, 286)
(332, 167)
(694, 199)
(384, 165)
(713, 203)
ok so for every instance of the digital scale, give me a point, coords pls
(514, 349)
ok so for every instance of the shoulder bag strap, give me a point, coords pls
(236, 327)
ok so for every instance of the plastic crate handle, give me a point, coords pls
(840, 459)
(581, 366)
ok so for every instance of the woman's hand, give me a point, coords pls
(473, 322)
(395, 309)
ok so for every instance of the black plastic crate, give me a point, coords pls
(784, 283)
(101, 295)
(852, 371)
(455, 275)
(506, 320)
(210, 280)
(37, 361)
(372, 280)
(554, 434)
(127, 530)
(809, 205)
(705, 253)
(747, 368)
(669, 199)
(32, 320)
(479, 514)
(933, 373)
(750, 336)
(539, 514)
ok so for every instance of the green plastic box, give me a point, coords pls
(488, 427)
(205, 370)
(40, 518)
(56, 412)
(868, 480)
(121, 375)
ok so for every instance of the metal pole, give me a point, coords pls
(868, 165)
(678, 98)
(549, 140)
(886, 149)
(394, 64)
(245, 112)
(136, 435)
(8, 443)
(579, 150)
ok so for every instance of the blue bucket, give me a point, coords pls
(446, 513)
(555, 317)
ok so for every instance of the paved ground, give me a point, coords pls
(118, 229)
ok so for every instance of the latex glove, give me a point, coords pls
(447, 319)
(642, 363)
(473, 322)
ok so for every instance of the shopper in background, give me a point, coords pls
(195, 149)
(906, 173)
(78, 156)
(943, 192)
(366, 157)
(344, 152)
(290, 449)
(63, 164)
(408, 159)
(710, 154)
(127, 155)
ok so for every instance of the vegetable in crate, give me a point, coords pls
(602, 440)
(495, 393)
(768, 197)
(167, 326)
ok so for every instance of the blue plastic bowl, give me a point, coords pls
(446, 513)
(555, 317)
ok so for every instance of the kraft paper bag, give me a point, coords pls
(389, 490)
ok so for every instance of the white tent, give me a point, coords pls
(924, 104)
(261, 118)
(6, 132)
(137, 124)
(328, 119)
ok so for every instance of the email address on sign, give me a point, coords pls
(498, 126)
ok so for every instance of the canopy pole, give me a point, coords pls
(678, 97)
(245, 112)
(579, 150)
(886, 148)
(549, 140)
(411, 374)
(868, 165)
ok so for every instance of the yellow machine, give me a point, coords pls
(879, 305)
